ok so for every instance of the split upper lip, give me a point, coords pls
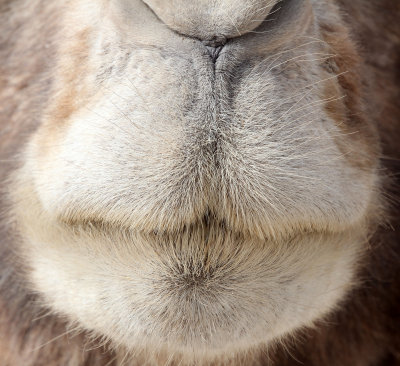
(214, 52)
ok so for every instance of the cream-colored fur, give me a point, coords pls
(212, 20)
(191, 208)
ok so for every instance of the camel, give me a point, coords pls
(199, 183)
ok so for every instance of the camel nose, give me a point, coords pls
(212, 20)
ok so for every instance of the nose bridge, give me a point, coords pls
(212, 20)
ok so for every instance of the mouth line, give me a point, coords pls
(206, 229)
(207, 223)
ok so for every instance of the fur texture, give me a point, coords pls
(170, 209)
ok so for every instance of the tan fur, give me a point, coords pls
(175, 209)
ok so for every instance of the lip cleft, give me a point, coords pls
(214, 52)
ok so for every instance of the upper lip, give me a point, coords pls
(214, 51)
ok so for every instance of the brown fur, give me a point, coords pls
(347, 63)
(71, 92)
(363, 333)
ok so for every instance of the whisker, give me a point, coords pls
(70, 331)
